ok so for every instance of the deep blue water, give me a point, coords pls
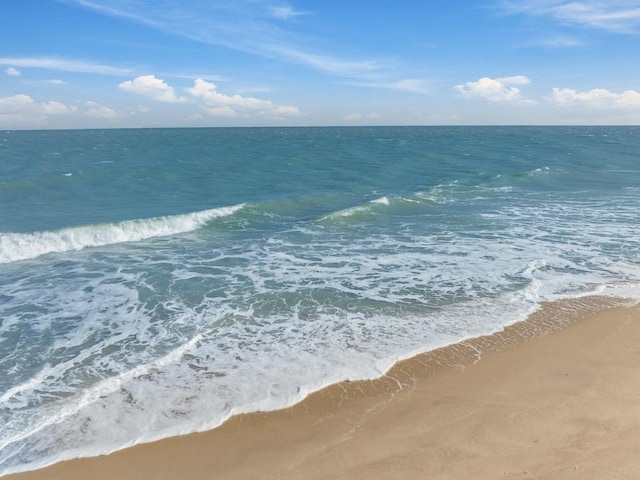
(155, 282)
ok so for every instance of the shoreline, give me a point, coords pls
(535, 399)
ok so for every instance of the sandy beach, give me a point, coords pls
(530, 402)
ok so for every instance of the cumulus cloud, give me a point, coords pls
(224, 112)
(152, 87)
(498, 90)
(597, 97)
(356, 117)
(15, 103)
(12, 72)
(98, 111)
(21, 108)
(25, 104)
(56, 108)
(220, 104)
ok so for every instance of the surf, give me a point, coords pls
(24, 246)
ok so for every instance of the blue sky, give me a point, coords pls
(148, 63)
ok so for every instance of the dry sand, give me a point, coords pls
(563, 405)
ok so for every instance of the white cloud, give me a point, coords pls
(498, 90)
(597, 97)
(355, 117)
(101, 112)
(554, 41)
(621, 16)
(12, 72)
(64, 65)
(56, 108)
(328, 63)
(224, 112)
(152, 87)
(55, 81)
(413, 85)
(220, 104)
(285, 12)
(250, 26)
(22, 109)
(257, 89)
(283, 110)
(95, 110)
(15, 103)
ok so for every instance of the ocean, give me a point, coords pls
(155, 282)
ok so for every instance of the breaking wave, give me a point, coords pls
(23, 246)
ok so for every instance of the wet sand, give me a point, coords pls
(530, 402)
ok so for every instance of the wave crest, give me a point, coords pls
(358, 209)
(23, 246)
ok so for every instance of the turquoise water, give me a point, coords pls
(155, 282)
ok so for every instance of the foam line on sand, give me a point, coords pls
(531, 402)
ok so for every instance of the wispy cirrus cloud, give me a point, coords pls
(619, 16)
(251, 26)
(329, 63)
(413, 85)
(286, 12)
(554, 41)
(61, 64)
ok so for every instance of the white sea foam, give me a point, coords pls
(136, 344)
(28, 385)
(278, 319)
(23, 246)
(381, 201)
(358, 209)
(289, 317)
